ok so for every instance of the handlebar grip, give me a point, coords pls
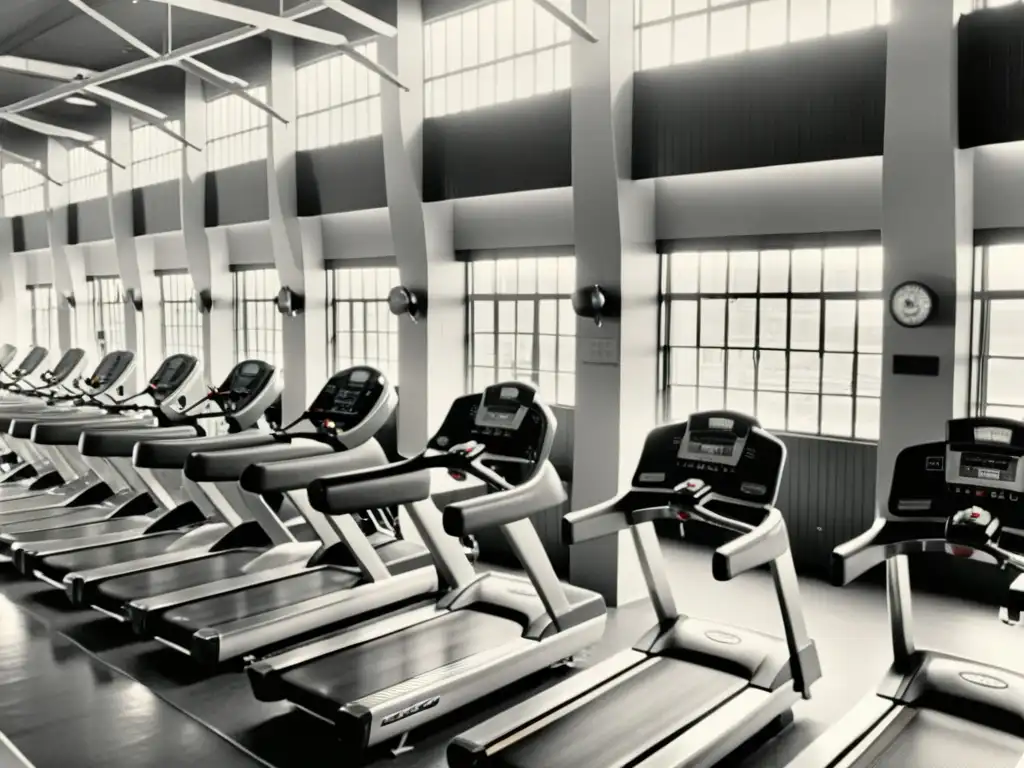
(402, 482)
(768, 541)
(543, 491)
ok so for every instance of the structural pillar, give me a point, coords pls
(206, 253)
(432, 352)
(927, 226)
(304, 335)
(15, 307)
(616, 364)
(142, 328)
(68, 268)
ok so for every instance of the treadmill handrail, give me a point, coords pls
(884, 540)
(268, 473)
(611, 516)
(542, 491)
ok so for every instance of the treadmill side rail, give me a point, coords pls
(848, 736)
(521, 720)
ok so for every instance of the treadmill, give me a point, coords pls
(59, 475)
(24, 464)
(690, 691)
(296, 589)
(111, 486)
(54, 548)
(934, 709)
(378, 681)
(252, 525)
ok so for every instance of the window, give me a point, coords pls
(793, 337)
(106, 314)
(156, 157)
(670, 32)
(997, 343)
(44, 316)
(498, 52)
(22, 188)
(236, 130)
(87, 173)
(338, 101)
(521, 324)
(994, 3)
(181, 320)
(361, 328)
(257, 321)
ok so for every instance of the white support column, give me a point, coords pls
(15, 307)
(305, 335)
(142, 329)
(68, 268)
(616, 364)
(207, 253)
(927, 225)
(431, 353)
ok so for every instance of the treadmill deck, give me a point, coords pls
(936, 740)
(66, 530)
(171, 578)
(631, 716)
(328, 682)
(56, 566)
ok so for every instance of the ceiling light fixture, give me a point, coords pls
(78, 101)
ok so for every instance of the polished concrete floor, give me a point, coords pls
(78, 689)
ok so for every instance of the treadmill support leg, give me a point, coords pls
(402, 747)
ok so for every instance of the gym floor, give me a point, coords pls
(78, 689)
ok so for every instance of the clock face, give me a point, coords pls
(911, 304)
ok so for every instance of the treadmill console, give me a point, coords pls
(353, 405)
(68, 365)
(35, 357)
(981, 462)
(7, 353)
(728, 451)
(508, 419)
(247, 392)
(110, 373)
(177, 385)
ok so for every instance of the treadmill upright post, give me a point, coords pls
(900, 607)
(787, 591)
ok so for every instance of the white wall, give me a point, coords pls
(357, 235)
(249, 244)
(168, 250)
(38, 267)
(100, 258)
(999, 186)
(518, 220)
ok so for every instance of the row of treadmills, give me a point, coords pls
(277, 546)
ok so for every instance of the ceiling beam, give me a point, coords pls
(51, 16)
(266, 21)
(199, 69)
(46, 70)
(566, 17)
(35, 166)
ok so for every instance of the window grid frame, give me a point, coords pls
(667, 297)
(219, 139)
(335, 304)
(674, 18)
(24, 191)
(44, 310)
(246, 307)
(86, 183)
(106, 313)
(155, 160)
(187, 337)
(562, 39)
(535, 370)
(306, 123)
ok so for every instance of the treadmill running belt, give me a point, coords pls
(97, 557)
(627, 719)
(72, 531)
(171, 578)
(49, 513)
(233, 606)
(937, 740)
(328, 682)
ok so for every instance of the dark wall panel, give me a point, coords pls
(36, 234)
(345, 177)
(18, 233)
(507, 148)
(804, 102)
(157, 208)
(991, 76)
(237, 195)
(91, 219)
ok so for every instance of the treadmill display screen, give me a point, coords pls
(982, 466)
(347, 399)
(32, 360)
(170, 376)
(109, 369)
(245, 382)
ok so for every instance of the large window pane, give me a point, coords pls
(156, 156)
(257, 321)
(105, 315)
(787, 336)
(44, 316)
(498, 52)
(691, 30)
(87, 172)
(339, 100)
(181, 321)
(22, 189)
(236, 130)
(361, 329)
(522, 325)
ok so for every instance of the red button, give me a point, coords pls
(975, 515)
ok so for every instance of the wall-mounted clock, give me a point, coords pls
(912, 304)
